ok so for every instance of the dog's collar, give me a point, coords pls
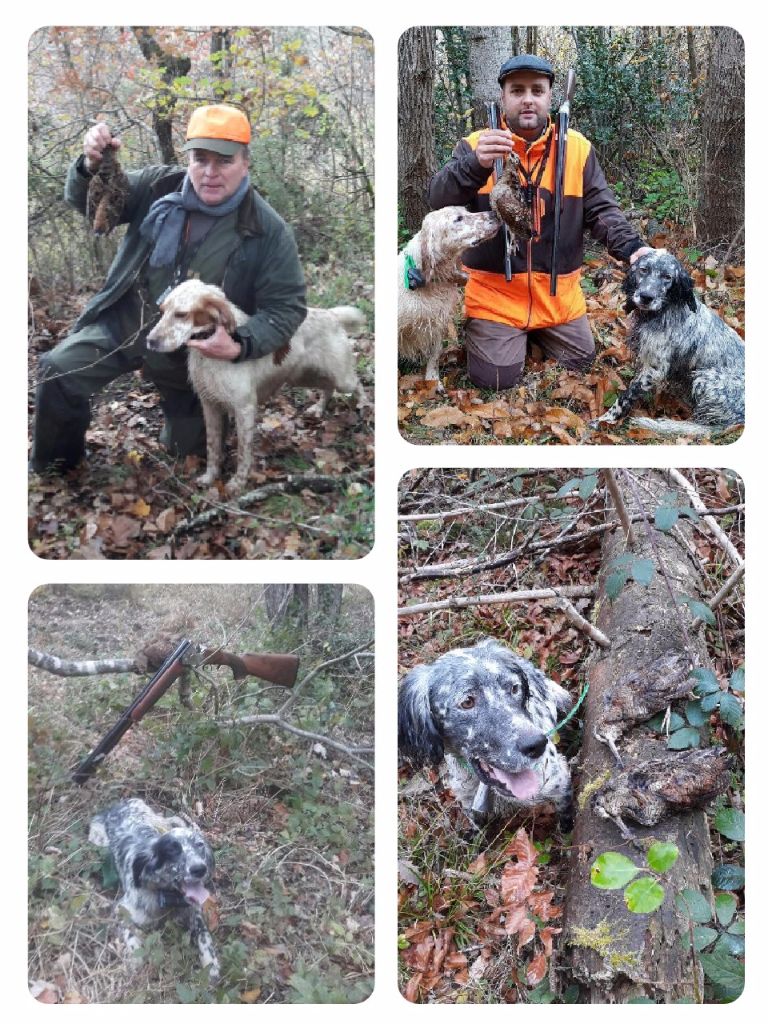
(168, 898)
(413, 276)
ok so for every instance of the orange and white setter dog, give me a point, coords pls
(319, 355)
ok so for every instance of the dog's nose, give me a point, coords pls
(198, 870)
(534, 745)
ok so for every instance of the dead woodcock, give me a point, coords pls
(663, 786)
(107, 192)
(508, 199)
(642, 693)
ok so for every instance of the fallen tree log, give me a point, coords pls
(614, 954)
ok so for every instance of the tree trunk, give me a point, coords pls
(616, 954)
(416, 159)
(171, 67)
(720, 212)
(489, 47)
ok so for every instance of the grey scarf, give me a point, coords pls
(164, 222)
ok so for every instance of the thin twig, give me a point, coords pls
(618, 504)
(695, 499)
(578, 620)
(506, 598)
(722, 593)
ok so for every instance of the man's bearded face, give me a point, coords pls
(526, 99)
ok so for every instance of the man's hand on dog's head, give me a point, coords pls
(220, 345)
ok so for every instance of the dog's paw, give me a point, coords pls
(207, 478)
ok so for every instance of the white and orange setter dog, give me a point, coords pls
(319, 355)
(430, 277)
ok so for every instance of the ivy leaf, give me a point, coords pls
(730, 823)
(665, 518)
(699, 610)
(643, 571)
(643, 896)
(706, 682)
(614, 583)
(659, 722)
(695, 713)
(612, 871)
(729, 877)
(730, 943)
(587, 486)
(661, 856)
(731, 712)
(723, 969)
(684, 739)
(725, 907)
(702, 937)
(571, 485)
(694, 905)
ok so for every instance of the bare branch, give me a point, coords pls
(618, 504)
(506, 598)
(696, 501)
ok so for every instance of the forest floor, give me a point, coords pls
(464, 891)
(290, 821)
(552, 405)
(311, 486)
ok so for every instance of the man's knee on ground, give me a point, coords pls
(488, 375)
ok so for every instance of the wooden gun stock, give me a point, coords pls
(280, 669)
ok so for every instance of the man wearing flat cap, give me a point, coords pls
(207, 221)
(502, 314)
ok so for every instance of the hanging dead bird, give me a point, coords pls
(107, 192)
(508, 200)
(641, 694)
(667, 785)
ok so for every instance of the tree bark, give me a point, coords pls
(415, 150)
(720, 212)
(616, 954)
(489, 47)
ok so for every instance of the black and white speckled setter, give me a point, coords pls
(679, 341)
(164, 865)
(487, 713)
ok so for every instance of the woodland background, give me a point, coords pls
(309, 96)
(664, 109)
(280, 781)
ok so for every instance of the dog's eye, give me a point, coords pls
(468, 703)
(179, 315)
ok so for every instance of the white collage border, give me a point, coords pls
(377, 571)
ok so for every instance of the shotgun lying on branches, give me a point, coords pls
(280, 669)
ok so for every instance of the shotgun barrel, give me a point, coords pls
(494, 122)
(563, 117)
(161, 681)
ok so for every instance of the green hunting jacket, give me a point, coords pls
(263, 275)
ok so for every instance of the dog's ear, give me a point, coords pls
(551, 699)
(418, 737)
(629, 286)
(219, 311)
(140, 862)
(682, 291)
(428, 256)
(165, 850)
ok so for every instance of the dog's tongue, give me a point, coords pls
(195, 892)
(523, 785)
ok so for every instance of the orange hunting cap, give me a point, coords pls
(219, 128)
